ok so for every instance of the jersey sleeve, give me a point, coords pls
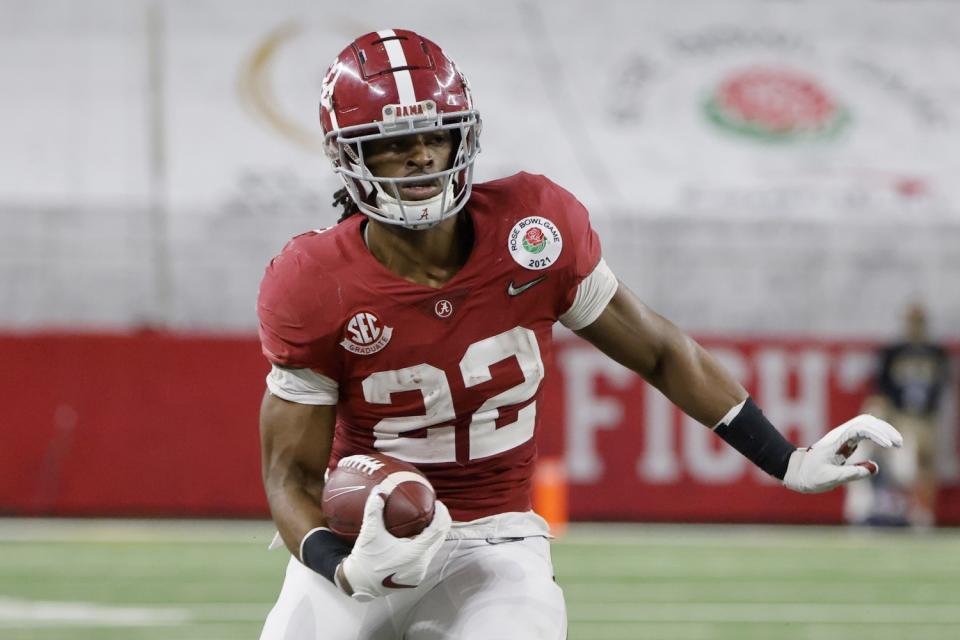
(581, 253)
(298, 330)
(593, 294)
(304, 386)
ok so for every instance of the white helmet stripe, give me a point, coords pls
(326, 94)
(398, 59)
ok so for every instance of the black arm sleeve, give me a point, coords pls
(322, 550)
(751, 434)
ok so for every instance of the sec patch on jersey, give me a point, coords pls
(410, 498)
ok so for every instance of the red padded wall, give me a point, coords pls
(166, 425)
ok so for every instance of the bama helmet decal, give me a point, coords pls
(365, 334)
(535, 243)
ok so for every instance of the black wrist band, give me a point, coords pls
(322, 550)
(751, 434)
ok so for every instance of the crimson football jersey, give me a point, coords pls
(448, 379)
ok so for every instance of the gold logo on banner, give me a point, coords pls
(255, 86)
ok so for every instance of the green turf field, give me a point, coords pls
(108, 580)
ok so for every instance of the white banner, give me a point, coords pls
(735, 108)
(153, 151)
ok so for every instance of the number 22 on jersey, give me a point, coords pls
(486, 439)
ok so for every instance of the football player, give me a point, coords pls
(420, 326)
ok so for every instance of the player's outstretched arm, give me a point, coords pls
(295, 443)
(638, 338)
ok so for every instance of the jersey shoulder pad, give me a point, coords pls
(297, 305)
(537, 196)
(524, 194)
(547, 230)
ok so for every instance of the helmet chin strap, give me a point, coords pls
(429, 210)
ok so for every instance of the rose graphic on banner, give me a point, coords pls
(775, 105)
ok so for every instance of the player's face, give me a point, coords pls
(412, 155)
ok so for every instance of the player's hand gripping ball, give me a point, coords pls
(409, 497)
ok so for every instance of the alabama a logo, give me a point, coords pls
(365, 334)
(535, 243)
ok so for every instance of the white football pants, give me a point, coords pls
(474, 590)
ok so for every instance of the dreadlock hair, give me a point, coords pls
(342, 198)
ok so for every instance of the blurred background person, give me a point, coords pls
(911, 376)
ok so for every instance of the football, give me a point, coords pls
(409, 503)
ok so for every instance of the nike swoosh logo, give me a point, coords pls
(390, 584)
(336, 493)
(515, 291)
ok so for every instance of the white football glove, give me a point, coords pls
(380, 562)
(821, 467)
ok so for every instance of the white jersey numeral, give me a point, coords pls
(438, 444)
(485, 438)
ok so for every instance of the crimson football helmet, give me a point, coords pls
(395, 83)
